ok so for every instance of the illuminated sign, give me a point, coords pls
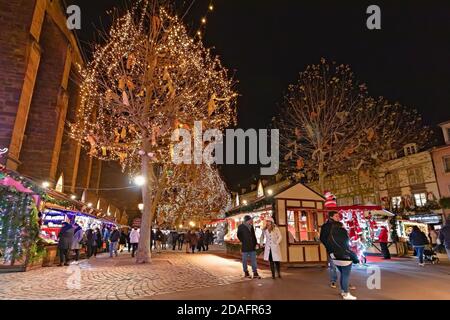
(428, 219)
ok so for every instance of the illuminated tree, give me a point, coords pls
(147, 79)
(193, 192)
(330, 125)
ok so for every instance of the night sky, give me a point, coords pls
(267, 43)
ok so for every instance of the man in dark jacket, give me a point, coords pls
(333, 216)
(113, 241)
(175, 236)
(246, 234)
(444, 237)
(65, 239)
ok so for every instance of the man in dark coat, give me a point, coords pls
(90, 242)
(65, 239)
(175, 236)
(246, 234)
(180, 240)
(333, 216)
(114, 238)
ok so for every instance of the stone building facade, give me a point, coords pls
(39, 96)
(441, 159)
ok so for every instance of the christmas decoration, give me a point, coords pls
(147, 75)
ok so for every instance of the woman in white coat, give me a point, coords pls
(272, 252)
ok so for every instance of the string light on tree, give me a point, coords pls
(146, 79)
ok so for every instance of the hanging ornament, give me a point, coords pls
(104, 151)
(125, 100)
(122, 82)
(93, 143)
(131, 61)
(300, 163)
(212, 105)
(370, 134)
(123, 134)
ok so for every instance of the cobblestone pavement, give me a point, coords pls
(120, 278)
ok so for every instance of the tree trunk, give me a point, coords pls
(143, 254)
(151, 195)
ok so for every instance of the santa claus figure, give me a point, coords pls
(330, 200)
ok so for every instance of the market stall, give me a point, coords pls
(363, 224)
(19, 221)
(299, 213)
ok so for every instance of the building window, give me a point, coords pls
(302, 225)
(415, 175)
(390, 155)
(392, 180)
(357, 200)
(420, 199)
(410, 149)
(396, 201)
(446, 164)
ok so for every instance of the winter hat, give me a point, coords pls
(247, 218)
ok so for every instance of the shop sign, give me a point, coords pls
(428, 219)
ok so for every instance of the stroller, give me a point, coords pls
(430, 255)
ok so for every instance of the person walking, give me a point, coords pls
(383, 239)
(192, 240)
(65, 238)
(175, 236)
(208, 237)
(134, 240)
(433, 235)
(153, 241)
(128, 242)
(333, 216)
(418, 240)
(122, 241)
(180, 240)
(272, 251)
(201, 241)
(159, 237)
(114, 241)
(98, 241)
(105, 236)
(246, 234)
(444, 237)
(90, 242)
(343, 257)
(76, 241)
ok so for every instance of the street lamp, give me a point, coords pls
(192, 224)
(269, 192)
(139, 181)
(244, 202)
(73, 197)
(45, 184)
(90, 204)
(141, 206)
(180, 226)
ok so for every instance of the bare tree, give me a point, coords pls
(329, 125)
(147, 79)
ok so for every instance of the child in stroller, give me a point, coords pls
(430, 255)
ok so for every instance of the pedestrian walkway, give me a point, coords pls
(177, 275)
(120, 278)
